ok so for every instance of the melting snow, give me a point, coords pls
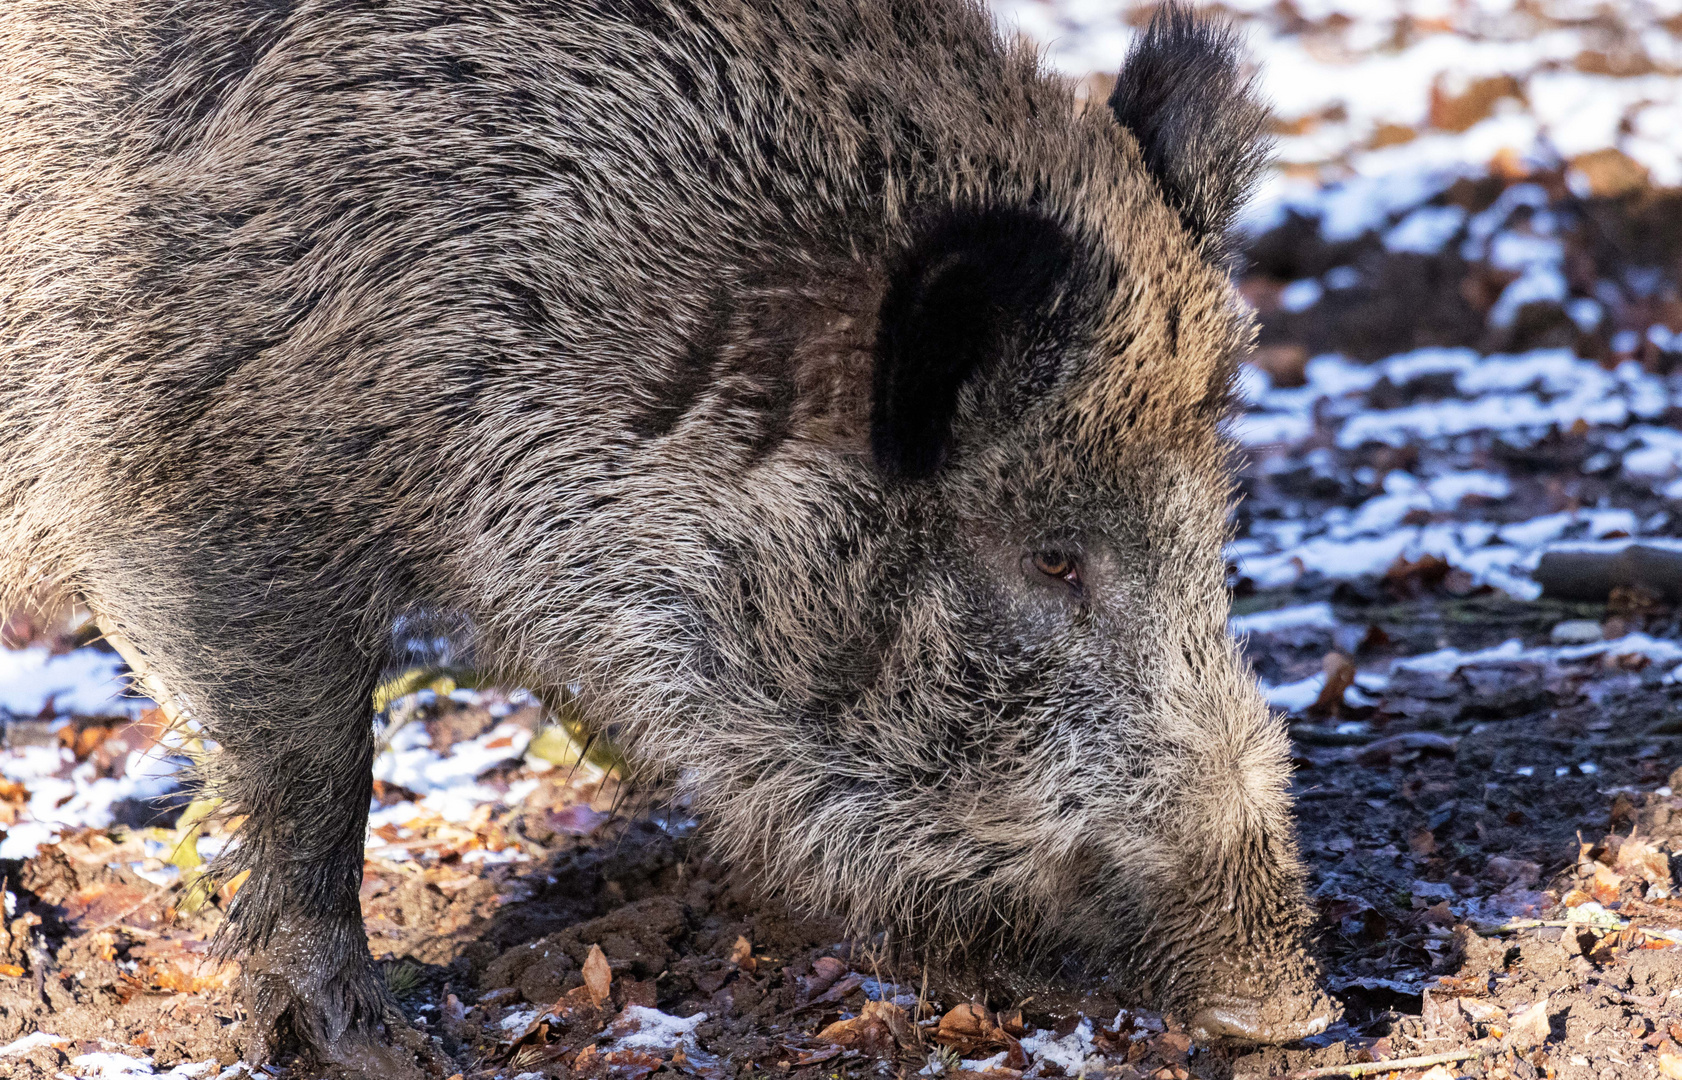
(1447, 661)
(1069, 1053)
(1301, 616)
(111, 1066)
(29, 1042)
(86, 681)
(642, 1028)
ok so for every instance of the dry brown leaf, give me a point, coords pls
(826, 971)
(973, 1031)
(877, 1030)
(632, 1064)
(1670, 1066)
(1530, 1027)
(1457, 108)
(1605, 885)
(598, 977)
(1340, 676)
(1639, 858)
(189, 974)
(967, 1021)
(11, 971)
(741, 954)
(841, 989)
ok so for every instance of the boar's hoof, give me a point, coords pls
(322, 989)
(386, 1050)
(1262, 1020)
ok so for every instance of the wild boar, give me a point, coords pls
(816, 386)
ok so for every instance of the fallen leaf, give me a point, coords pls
(813, 1057)
(1442, 1016)
(967, 1021)
(1670, 1065)
(841, 989)
(1530, 1027)
(1410, 579)
(1606, 884)
(632, 1064)
(876, 1030)
(598, 978)
(826, 971)
(1610, 173)
(1340, 676)
(1641, 859)
(741, 954)
(10, 970)
(1455, 107)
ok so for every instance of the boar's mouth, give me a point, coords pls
(1296, 1010)
(1282, 1019)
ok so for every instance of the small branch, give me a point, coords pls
(1491, 929)
(1373, 1068)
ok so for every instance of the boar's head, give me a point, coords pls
(970, 677)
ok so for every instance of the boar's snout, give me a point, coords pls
(1292, 1008)
(1282, 1019)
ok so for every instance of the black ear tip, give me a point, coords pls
(1200, 126)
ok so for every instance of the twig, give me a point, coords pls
(1491, 929)
(1373, 1068)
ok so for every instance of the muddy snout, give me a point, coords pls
(1279, 1018)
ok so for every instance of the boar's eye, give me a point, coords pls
(1053, 566)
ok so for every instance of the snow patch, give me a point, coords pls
(1301, 616)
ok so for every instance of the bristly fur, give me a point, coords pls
(1199, 123)
(616, 329)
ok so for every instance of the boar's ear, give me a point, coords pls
(971, 283)
(1197, 118)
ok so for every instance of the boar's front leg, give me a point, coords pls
(293, 723)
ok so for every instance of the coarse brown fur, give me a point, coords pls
(728, 359)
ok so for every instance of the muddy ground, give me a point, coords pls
(1489, 837)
